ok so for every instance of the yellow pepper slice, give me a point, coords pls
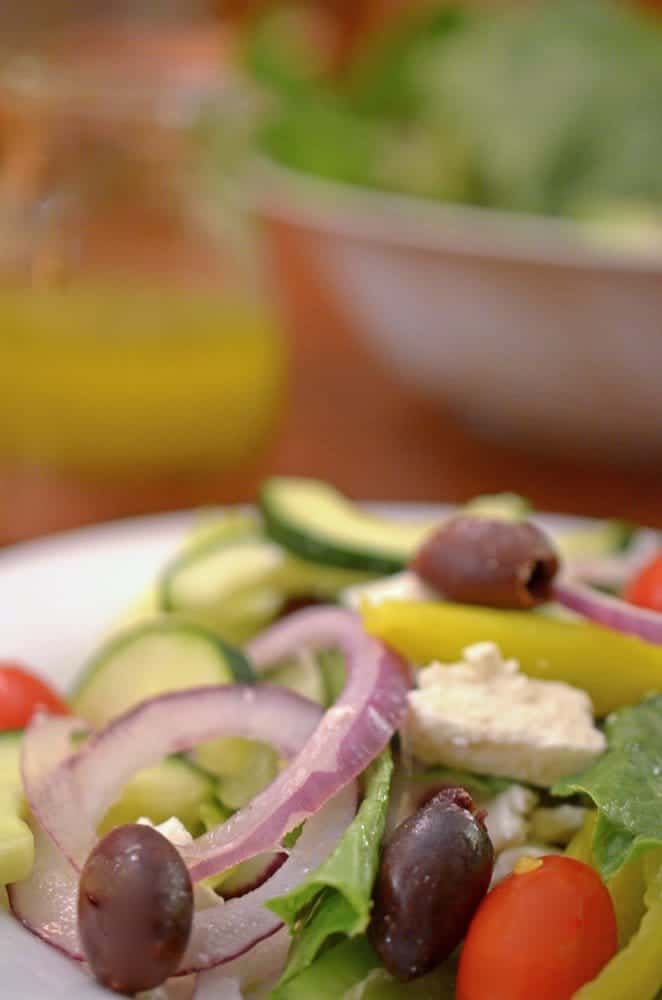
(615, 669)
(626, 887)
(636, 971)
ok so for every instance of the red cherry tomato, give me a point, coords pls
(21, 694)
(543, 932)
(646, 587)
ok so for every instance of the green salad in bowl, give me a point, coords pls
(335, 752)
(548, 108)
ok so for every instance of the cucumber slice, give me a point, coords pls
(334, 673)
(205, 580)
(302, 675)
(16, 841)
(236, 790)
(150, 660)
(175, 787)
(314, 521)
(603, 539)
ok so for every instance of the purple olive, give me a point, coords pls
(135, 909)
(435, 870)
(501, 564)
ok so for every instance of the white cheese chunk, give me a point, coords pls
(483, 715)
(405, 586)
(508, 816)
(172, 829)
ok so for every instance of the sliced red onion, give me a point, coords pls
(609, 611)
(329, 756)
(174, 989)
(47, 901)
(227, 931)
(262, 965)
(71, 801)
(351, 734)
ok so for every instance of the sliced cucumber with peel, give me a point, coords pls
(175, 787)
(151, 659)
(16, 841)
(605, 538)
(316, 522)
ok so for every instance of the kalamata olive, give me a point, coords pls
(135, 909)
(501, 564)
(435, 870)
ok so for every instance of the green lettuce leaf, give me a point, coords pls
(480, 786)
(339, 970)
(336, 898)
(351, 970)
(626, 786)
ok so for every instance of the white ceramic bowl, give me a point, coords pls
(531, 329)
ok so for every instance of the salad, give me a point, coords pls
(550, 108)
(333, 754)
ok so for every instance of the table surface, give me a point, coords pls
(349, 421)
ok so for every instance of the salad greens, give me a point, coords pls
(552, 108)
(337, 897)
(626, 787)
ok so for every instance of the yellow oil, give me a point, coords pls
(103, 378)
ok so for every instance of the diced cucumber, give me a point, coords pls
(243, 579)
(236, 790)
(205, 577)
(334, 673)
(315, 522)
(213, 526)
(150, 660)
(302, 675)
(175, 787)
(243, 768)
(16, 841)
(605, 538)
(404, 586)
(217, 525)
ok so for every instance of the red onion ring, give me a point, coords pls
(263, 963)
(70, 801)
(46, 902)
(609, 611)
(351, 734)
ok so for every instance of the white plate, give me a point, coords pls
(57, 597)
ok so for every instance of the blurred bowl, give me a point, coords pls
(540, 332)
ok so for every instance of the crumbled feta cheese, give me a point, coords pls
(557, 824)
(507, 819)
(483, 715)
(406, 586)
(172, 829)
(506, 861)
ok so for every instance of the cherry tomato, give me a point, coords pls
(646, 587)
(21, 694)
(543, 932)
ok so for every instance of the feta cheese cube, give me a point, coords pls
(483, 715)
(508, 816)
(405, 586)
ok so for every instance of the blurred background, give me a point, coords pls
(413, 248)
